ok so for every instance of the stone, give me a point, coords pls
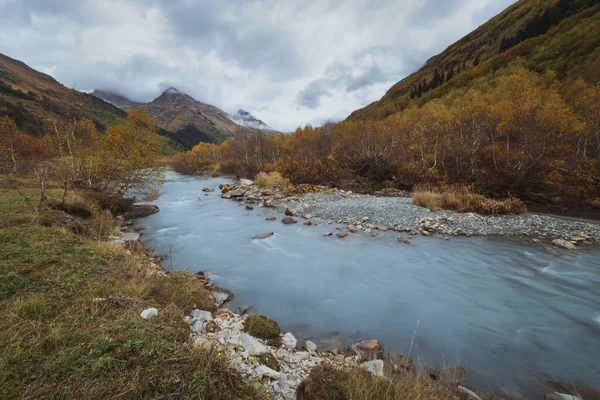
(469, 394)
(242, 309)
(149, 313)
(263, 370)
(352, 228)
(328, 234)
(401, 239)
(565, 244)
(307, 216)
(310, 346)
(375, 367)
(289, 212)
(560, 396)
(271, 218)
(251, 345)
(263, 236)
(208, 190)
(237, 192)
(200, 315)
(289, 341)
(268, 192)
(246, 182)
(221, 295)
(342, 235)
(368, 349)
(289, 220)
(383, 228)
(249, 207)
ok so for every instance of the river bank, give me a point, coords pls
(366, 213)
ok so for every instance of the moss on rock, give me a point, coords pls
(263, 328)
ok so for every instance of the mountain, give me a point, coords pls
(30, 97)
(116, 99)
(244, 118)
(562, 36)
(198, 122)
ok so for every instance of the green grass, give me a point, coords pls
(71, 328)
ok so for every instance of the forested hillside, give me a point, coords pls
(562, 36)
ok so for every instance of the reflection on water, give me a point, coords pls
(505, 311)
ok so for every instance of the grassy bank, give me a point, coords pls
(70, 308)
(462, 198)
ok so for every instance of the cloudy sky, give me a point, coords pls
(289, 62)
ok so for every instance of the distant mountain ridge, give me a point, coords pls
(191, 120)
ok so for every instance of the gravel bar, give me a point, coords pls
(363, 212)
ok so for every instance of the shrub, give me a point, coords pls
(270, 179)
(462, 198)
(263, 328)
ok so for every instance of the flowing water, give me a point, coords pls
(506, 311)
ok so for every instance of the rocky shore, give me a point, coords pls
(358, 213)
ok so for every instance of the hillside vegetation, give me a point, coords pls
(562, 36)
(521, 118)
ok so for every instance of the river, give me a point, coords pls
(508, 312)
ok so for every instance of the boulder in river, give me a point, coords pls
(342, 235)
(308, 222)
(328, 234)
(289, 220)
(565, 244)
(249, 207)
(271, 218)
(383, 228)
(290, 212)
(208, 190)
(263, 235)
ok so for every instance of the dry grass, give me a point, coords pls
(462, 198)
(328, 383)
(271, 179)
(71, 328)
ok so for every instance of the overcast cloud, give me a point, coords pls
(287, 62)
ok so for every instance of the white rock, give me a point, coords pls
(310, 346)
(263, 370)
(149, 313)
(289, 341)
(298, 357)
(375, 367)
(239, 326)
(198, 319)
(251, 345)
(246, 182)
(565, 244)
(560, 396)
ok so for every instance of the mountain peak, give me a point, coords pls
(172, 90)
